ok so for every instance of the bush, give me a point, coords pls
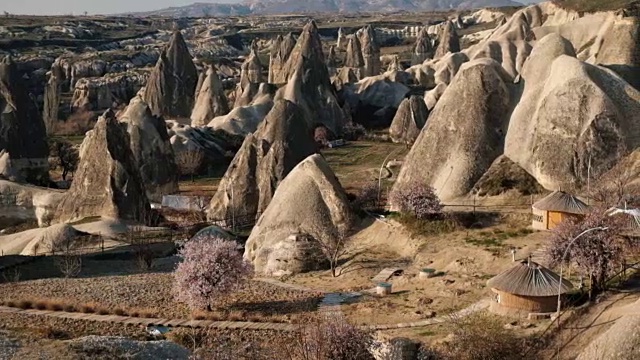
(329, 338)
(210, 267)
(480, 337)
(418, 200)
(417, 226)
(78, 123)
(353, 131)
(367, 198)
(64, 156)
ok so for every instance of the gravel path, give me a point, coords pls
(8, 347)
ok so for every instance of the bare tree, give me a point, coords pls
(63, 155)
(67, 258)
(335, 247)
(616, 187)
(199, 203)
(190, 161)
(7, 14)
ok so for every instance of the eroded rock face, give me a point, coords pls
(280, 51)
(332, 61)
(152, 150)
(51, 100)
(23, 134)
(107, 182)
(353, 59)
(448, 41)
(171, 87)
(285, 239)
(211, 100)
(620, 49)
(309, 85)
(282, 140)
(370, 51)
(452, 155)
(423, 49)
(244, 119)
(29, 202)
(570, 112)
(409, 120)
(106, 92)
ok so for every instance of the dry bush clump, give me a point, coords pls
(78, 123)
(142, 313)
(482, 336)
(328, 338)
(52, 333)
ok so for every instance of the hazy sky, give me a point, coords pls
(47, 7)
(57, 7)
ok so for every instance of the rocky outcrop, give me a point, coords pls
(353, 59)
(245, 119)
(151, 149)
(28, 202)
(459, 144)
(23, 134)
(309, 206)
(282, 140)
(107, 182)
(370, 51)
(620, 49)
(379, 91)
(342, 39)
(172, 84)
(309, 85)
(332, 62)
(571, 112)
(94, 94)
(423, 48)
(251, 70)
(211, 100)
(448, 40)
(51, 105)
(344, 77)
(394, 64)
(504, 175)
(280, 51)
(409, 120)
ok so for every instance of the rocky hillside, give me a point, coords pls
(313, 6)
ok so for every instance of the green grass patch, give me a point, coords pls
(419, 227)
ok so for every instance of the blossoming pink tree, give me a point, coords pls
(598, 254)
(419, 200)
(210, 267)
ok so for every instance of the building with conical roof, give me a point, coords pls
(527, 288)
(559, 206)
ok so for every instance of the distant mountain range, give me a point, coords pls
(259, 7)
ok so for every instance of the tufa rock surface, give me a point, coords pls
(353, 59)
(448, 40)
(281, 49)
(409, 120)
(309, 205)
(172, 84)
(459, 143)
(23, 134)
(282, 140)
(107, 182)
(423, 48)
(571, 112)
(370, 51)
(211, 100)
(152, 150)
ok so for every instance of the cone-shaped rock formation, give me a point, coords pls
(282, 140)
(23, 134)
(172, 84)
(448, 40)
(211, 101)
(370, 51)
(571, 112)
(423, 48)
(309, 206)
(152, 150)
(309, 85)
(280, 51)
(107, 182)
(353, 59)
(459, 144)
(409, 120)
